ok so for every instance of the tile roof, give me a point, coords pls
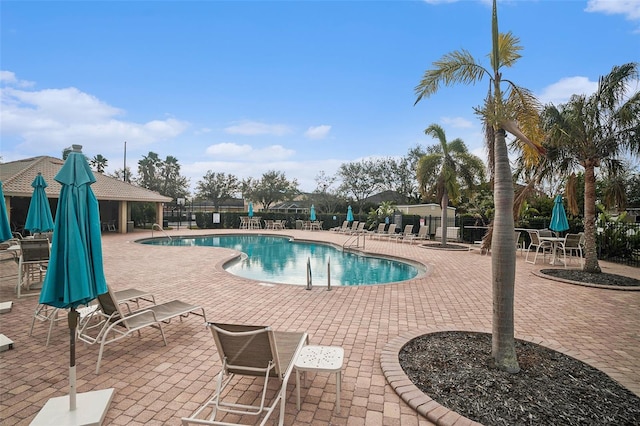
(17, 176)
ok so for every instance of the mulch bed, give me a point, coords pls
(447, 246)
(602, 278)
(455, 369)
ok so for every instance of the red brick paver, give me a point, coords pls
(157, 384)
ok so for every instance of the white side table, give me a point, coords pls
(320, 358)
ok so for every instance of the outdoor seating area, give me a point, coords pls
(250, 222)
(156, 383)
(274, 224)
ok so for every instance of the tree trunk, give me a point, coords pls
(444, 204)
(590, 251)
(503, 261)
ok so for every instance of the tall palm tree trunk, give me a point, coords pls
(503, 261)
(444, 204)
(591, 254)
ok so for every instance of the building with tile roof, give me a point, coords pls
(114, 196)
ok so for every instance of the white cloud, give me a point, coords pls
(252, 128)
(49, 120)
(9, 78)
(228, 150)
(629, 8)
(457, 122)
(561, 91)
(318, 132)
(246, 152)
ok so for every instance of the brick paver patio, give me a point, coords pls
(158, 384)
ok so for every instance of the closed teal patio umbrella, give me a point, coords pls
(312, 213)
(250, 209)
(5, 227)
(75, 274)
(558, 216)
(350, 214)
(39, 217)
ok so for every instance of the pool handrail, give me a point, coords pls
(159, 229)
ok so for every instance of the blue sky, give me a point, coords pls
(301, 87)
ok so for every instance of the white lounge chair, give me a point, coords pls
(422, 235)
(115, 322)
(407, 233)
(48, 313)
(344, 227)
(379, 230)
(391, 232)
(359, 230)
(350, 229)
(255, 351)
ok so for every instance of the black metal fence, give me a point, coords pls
(619, 242)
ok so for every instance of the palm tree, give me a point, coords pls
(439, 171)
(502, 111)
(99, 163)
(596, 131)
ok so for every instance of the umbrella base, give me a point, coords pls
(91, 409)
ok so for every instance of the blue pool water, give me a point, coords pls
(280, 260)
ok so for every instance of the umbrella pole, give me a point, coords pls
(73, 323)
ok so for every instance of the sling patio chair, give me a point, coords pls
(422, 235)
(116, 320)
(572, 244)
(345, 226)
(539, 246)
(32, 264)
(255, 351)
(391, 232)
(379, 230)
(349, 230)
(407, 233)
(357, 230)
(49, 313)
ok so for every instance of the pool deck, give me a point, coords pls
(157, 385)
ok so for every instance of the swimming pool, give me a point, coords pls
(282, 260)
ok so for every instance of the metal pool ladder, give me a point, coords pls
(154, 226)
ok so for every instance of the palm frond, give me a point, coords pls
(508, 48)
(452, 68)
(570, 192)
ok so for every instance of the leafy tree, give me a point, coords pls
(595, 131)
(149, 172)
(503, 110)
(361, 179)
(217, 187)
(272, 188)
(445, 168)
(633, 190)
(326, 196)
(399, 175)
(99, 163)
(124, 175)
(162, 176)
